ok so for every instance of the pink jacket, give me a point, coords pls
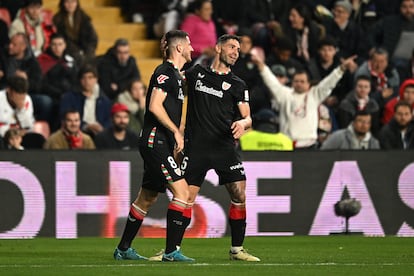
(202, 33)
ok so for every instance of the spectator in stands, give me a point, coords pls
(265, 134)
(281, 54)
(29, 20)
(91, 102)
(19, 60)
(230, 16)
(58, 74)
(358, 99)
(323, 64)
(117, 136)
(200, 27)
(406, 94)
(366, 13)
(170, 16)
(395, 33)
(399, 132)
(16, 108)
(134, 99)
(304, 32)
(13, 139)
(349, 37)
(299, 104)
(356, 136)
(384, 78)
(265, 17)
(117, 68)
(81, 38)
(70, 135)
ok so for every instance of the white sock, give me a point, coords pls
(236, 249)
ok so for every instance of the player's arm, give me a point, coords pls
(156, 107)
(239, 127)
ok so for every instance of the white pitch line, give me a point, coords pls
(201, 264)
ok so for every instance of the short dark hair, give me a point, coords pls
(224, 38)
(403, 103)
(363, 77)
(362, 112)
(121, 42)
(57, 36)
(18, 84)
(327, 41)
(300, 72)
(169, 38)
(32, 2)
(87, 68)
(69, 111)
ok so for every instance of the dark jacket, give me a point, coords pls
(9, 65)
(386, 33)
(59, 74)
(86, 40)
(390, 136)
(106, 140)
(350, 41)
(349, 107)
(110, 71)
(76, 100)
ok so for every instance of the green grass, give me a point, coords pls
(298, 255)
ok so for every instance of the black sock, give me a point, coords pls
(132, 226)
(186, 221)
(238, 230)
(174, 226)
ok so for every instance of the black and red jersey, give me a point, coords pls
(167, 78)
(213, 100)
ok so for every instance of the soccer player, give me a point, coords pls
(160, 140)
(218, 114)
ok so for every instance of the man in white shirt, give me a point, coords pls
(16, 108)
(299, 103)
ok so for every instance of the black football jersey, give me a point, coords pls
(167, 78)
(213, 101)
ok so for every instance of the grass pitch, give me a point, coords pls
(298, 255)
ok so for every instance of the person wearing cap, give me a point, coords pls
(349, 37)
(265, 134)
(117, 136)
(30, 21)
(69, 136)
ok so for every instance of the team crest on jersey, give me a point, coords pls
(225, 85)
(162, 78)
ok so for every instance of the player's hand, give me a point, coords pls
(349, 64)
(179, 141)
(237, 129)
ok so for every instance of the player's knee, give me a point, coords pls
(239, 198)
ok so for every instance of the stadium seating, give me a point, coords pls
(109, 24)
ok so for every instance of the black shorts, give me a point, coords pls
(160, 168)
(226, 162)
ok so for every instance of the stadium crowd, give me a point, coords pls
(50, 76)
